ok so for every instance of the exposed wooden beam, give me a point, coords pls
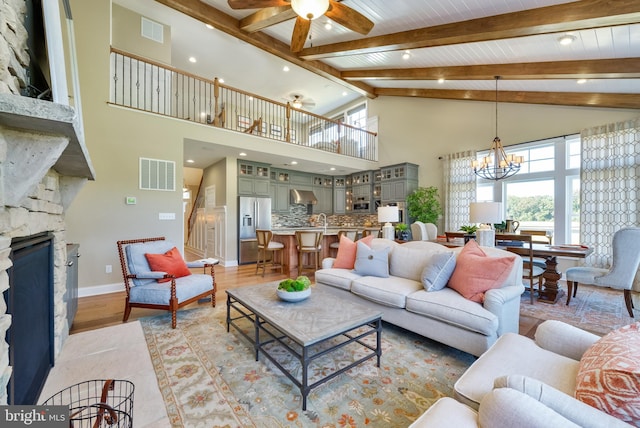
(551, 19)
(266, 18)
(228, 24)
(620, 68)
(580, 99)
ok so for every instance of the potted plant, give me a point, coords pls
(423, 204)
(470, 232)
(403, 231)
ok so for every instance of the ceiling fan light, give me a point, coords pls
(310, 9)
(297, 103)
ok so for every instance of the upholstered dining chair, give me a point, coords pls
(624, 266)
(530, 271)
(265, 246)
(308, 242)
(351, 234)
(424, 231)
(157, 277)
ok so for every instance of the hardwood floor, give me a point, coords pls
(107, 309)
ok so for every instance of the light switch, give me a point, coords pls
(167, 216)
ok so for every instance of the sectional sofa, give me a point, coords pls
(444, 314)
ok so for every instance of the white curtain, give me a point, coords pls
(459, 189)
(610, 186)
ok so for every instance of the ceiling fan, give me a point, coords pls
(298, 101)
(305, 11)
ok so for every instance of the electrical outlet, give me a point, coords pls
(108, 269)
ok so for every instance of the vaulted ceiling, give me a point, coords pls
(454, 49)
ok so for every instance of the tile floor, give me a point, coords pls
(117, 352)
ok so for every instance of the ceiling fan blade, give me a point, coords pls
(300, 33)
(256, 4)
(266, 17)
(349, 18)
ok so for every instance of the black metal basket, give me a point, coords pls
(97, 403)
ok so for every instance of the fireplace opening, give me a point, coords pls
(30, 303)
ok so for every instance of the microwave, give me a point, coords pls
(361, 206)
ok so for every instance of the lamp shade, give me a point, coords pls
(388, 214)
(485, 212)
(310, 9)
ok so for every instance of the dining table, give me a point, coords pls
(551, 291)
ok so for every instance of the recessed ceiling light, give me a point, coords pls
(327, 25)
(209, 26)
(441, 80)
(190, 161)
(406, 55)
(567, 39)
(192, 59)
(285, 68)
(581, 81)
(221, 80)
(332, 169)
(294, 162)
(344, 94)
(243, 154)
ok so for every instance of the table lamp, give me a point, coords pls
(485, 213)
(388, 215)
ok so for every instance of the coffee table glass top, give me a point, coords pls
(309, 321)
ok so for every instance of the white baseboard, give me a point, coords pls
(96, 290)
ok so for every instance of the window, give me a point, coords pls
(544, 194)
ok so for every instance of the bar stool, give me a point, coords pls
(351, 234)
(308, 242)
(266, 245)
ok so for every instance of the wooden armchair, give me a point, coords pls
(155, 289)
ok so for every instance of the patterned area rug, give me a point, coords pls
(209, 378)
(595, 309)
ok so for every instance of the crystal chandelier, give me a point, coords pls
(497, 164)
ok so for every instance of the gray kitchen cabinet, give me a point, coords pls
(253, 179)
(339, 195)
(281, 201)
(397, 181)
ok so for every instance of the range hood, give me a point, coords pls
(303, 197)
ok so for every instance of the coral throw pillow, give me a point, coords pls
(170, 262)
(346, 257)
(609, 374)
(475, 272)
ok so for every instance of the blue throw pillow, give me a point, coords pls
(438, 270)
(371, 262)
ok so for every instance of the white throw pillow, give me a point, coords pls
(438, 270)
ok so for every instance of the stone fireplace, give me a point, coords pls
(43, 165)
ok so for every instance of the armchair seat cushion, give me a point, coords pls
(156, 293)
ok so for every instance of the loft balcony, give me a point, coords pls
(143, 84)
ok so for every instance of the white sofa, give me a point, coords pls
(521, 382)
(444, 315)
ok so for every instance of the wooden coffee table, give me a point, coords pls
(301, 327)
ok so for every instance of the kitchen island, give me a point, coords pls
(287, 236)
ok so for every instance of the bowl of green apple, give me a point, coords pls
(294, 290)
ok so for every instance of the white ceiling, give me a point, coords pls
(244, 66)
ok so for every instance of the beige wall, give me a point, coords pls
(421, 130)
(126, 35)
(410, 130)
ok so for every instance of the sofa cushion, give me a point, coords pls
(438, 270)
(372, 262)
(447, 306)
(339, 278)
(408, 260)
(346, 256)
(170, 262)
(476, 273)
(609, 374)
(386, 291)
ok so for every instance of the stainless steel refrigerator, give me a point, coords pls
(253, 213)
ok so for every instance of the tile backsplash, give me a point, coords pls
(298, 217)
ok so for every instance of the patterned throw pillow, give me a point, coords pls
(475, 272)
(609, 374)
(372, 262)
(170, 262)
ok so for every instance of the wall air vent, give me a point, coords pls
(152, 30)
(157, 174)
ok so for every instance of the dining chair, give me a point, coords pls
(169, 288)
(624, 267)
(419, 231)
(367, 232)
(266, 246)
(539, 236)
(308, 242)
(351, 234)
(530, 271)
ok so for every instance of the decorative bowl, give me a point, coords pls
(293, 296)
